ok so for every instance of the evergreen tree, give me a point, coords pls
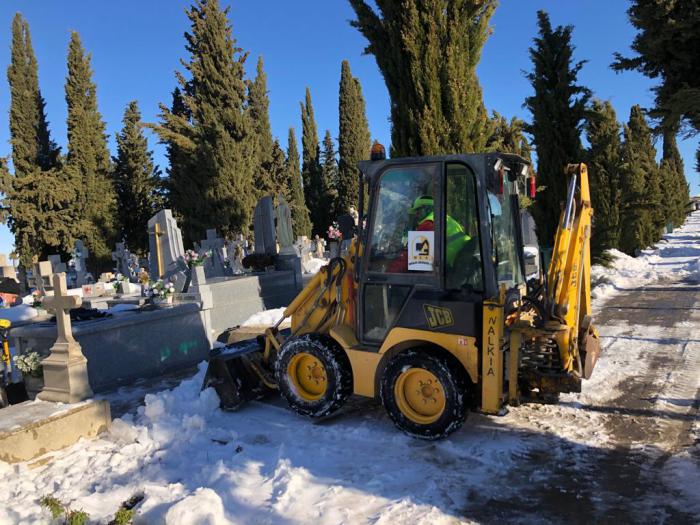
(508, 137)
(217, 130)
(353, 139)
(675, 190)
(558, 109)
(603, 159)
(427, 51)
(88, 161)
(259, 104)
(329, 169)
(137, 181)
(179, 151)
(666, 48)
(32, 146)
(311, 174)
(278, 173)
(300, 213)
(640, 186)
(34, 196)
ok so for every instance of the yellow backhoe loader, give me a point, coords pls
(430, 310)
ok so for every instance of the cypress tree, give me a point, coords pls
(508, 137)
(181, 178)
(34, 196)
(279, 181)
(32, 146)
(137, 181)
(297, 205)
(329, 169)
(219, 135)
(311, 174)
(675, 190)
(88, 161)
(603, 159)
(353, 139)
(427, 51)
(558, 109)
(666, 48)
(639, 182)
(259, 104)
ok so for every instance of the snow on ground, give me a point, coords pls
(21, 312)
(265, 318)
(263, 464)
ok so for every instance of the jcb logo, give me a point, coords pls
(438, 317)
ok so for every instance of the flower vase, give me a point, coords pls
(163, 301)
(33, 385)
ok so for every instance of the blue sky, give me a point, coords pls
(136, 47)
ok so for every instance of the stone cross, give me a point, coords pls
(121, 257)
(65, 370)
(80, 255)
(214, 266)
(57, 266)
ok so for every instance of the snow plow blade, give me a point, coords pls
(238, 374)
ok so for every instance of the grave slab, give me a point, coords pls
(33, 428)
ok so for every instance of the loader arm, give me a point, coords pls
(569, 277)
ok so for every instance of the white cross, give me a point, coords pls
(61, 303)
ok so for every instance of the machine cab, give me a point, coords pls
(442, 233)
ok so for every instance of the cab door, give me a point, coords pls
(404, 245)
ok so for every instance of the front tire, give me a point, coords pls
(424, 393)
(314, 375)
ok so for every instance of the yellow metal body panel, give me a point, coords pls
(492, 362)
(460, 346)
(364, 369)
(513, 357)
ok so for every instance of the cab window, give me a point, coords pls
(503, 228)
(404, 211)
(463, 266)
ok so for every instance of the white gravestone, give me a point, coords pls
(65, 370)
(165, 244)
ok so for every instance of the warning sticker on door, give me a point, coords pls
(421, 251)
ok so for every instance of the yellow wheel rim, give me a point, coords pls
(420, 396)
(308, 376)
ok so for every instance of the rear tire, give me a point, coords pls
(314, 375)
(425, 394)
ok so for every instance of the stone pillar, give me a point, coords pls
(65, 370)
(201, 292)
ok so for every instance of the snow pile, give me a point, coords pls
(22, 312)
(625, 272)
(313, 266)
(265, 318)
(676, 256)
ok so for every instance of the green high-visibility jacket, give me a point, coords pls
(457, 238)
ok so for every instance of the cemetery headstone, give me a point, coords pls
(41, 277)
(165, 243)
(8, 272)
(214, 266)
(56, 265)
(3, 259)
(65, 370)
(285, 235)
(80, 256)
(264, 227)
(121, 257)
